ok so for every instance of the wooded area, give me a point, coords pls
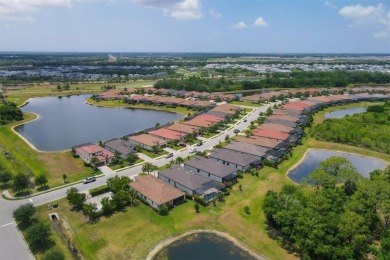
(344, 221)
(370, 130)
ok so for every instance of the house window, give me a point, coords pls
(227, 163)
(197, 170)
(209, 174)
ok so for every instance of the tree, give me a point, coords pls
(118, 183)
(38, 235)
(64, 176)
(89, 209)
(196, 206)
(132, 196)
(53, 254)
(93, 162)
(247, 210)
(157, 125)
(5, 176)
(179, 160)
(75, 198)
(20, 182)
(107, 205)
(24, 213)
(148, 168)
(120, 199)
(41, 180)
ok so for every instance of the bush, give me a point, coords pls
(200, 200)
(376, 109)
(24, 213)
(38, 235)
(196, 206)
(164, 210)
(87, 164)
(247, 210)
(99, 190)
(53, 254)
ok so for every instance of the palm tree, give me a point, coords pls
(132, 196)
(148, 167)
(93, 162)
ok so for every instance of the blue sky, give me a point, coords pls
(260, 26)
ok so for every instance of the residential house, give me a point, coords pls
(88, 152)
(247, 148)
(185, 129)
(238, 160)
(147, 141)
(191, 183)
(167, 134)
(212, 169)
(156, 192)
(120, 146)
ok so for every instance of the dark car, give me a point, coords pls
(200, 143)
(89, 179)
(169, 155)
(245, 120)
(236, 131)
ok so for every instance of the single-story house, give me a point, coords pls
(167, 134)
(238, 160)
(272, 134)
(123, 147)
(259, 141)
(212, 169)
(182, 128)
(282, 122)
(247, 148)
(147, 141)
(156, 192)
(191, 183)
(89, 151)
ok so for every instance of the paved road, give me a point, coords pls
(12, 245)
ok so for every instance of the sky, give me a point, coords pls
(240, 26)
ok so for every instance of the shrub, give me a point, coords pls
(164, 210)
(38, 235)
(24, 213)
(99, 190)
(196, 206)
(200, 200)
(247, 210)
(53, 254)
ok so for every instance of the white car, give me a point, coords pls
(89, 179)
(192, 150)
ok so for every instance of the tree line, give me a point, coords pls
(370, 130)
(344, 217)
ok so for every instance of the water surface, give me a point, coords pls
(202, 246)
(364, 165)
(343, 112)
(68, 121)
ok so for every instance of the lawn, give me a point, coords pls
(154, 155)
(243, 103)
(119, 103)
(120, 166)
(20, 96)
(27, 160)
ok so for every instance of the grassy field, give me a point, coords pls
(243, 103)
(119, 103)
(20, 96)
(27, 160)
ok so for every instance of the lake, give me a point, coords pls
(343, 112)
(68, 121)
(202, 246)
(364, 165)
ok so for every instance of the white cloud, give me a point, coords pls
(215, 14)
(330, 4)
(22, 9)
(239, 25)
(178, 9)
(260, 22)
(374, 16)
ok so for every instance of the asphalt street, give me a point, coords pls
(12, 244)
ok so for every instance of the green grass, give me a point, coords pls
(243, 103)
(154, 155)
(209, 135)
(119, 166)
(27, 160)
(119, 103)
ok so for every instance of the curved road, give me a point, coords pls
(12, 244)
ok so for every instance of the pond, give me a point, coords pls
(343, 112)
(364, 165)
(202, 246)
(68, 121)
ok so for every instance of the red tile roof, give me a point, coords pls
(149, 140)
(167, 133)
(155, 189)
(99, 151)
(260, 141)
(270, 134)
(275, 127)
(209, 118)
(188, 129)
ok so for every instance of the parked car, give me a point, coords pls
(236, 131)
(89, 179)
(200, 143)
(169, 155)
(192, 150)
(182, 144)
(245, 120)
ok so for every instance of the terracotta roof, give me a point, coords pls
(95, 149)
(209, 118)
(147, 139)
(276, 127)
(296, 106)
(188, 129)
(167, 133)
(112, 93)
(198, 122)
(270, 134)
(155, 189)
(259, 141)
(284, 117)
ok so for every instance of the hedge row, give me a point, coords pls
(99, 190)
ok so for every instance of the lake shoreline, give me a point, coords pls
(168, 241)
(329, 150)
